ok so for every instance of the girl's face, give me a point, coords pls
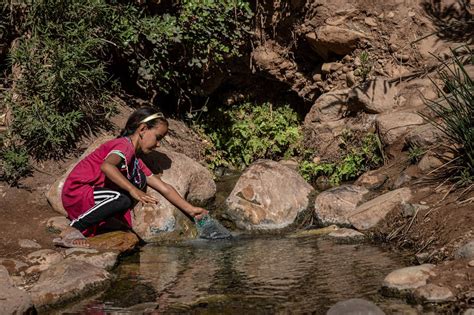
(151, 138)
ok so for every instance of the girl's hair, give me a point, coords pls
(138, 116)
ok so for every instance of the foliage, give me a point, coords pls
(358, 157)
(365, 67)
(454, 114)
(415, 153)
(14, 163)
(247, 132)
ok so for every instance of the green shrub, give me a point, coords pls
(245, 133)
(454, 115)
(14, 163)
(358, 156)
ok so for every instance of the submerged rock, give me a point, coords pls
(119, 240)
(347, 235)
(355, 307)
(268, 195)
(312, 232)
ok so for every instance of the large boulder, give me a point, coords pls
(333, 39)
(268, 195)
(12, 299)
(335, 205)
(190, 179)
(369, 214)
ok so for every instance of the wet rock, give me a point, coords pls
(372, 180)
(28, 244)
(335, 205)
(119, 241)
(314, 232)
(58, 224)
(375, 96)
(329, 106)
(403, 280)
(67, 280)
(189, 178)
(355, 307)
(103, 260)
(368, 214)
(12, 299)
(42, 260)
(333, 39)
(393, 126)
(266, 196)
(434, 294)
(465, 251)
(12, 265)
(347, 235)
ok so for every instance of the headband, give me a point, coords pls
(151, 117)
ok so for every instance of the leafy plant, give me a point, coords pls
(358, 157)
(454, 114)
(247, 132)
(365, 67)
(415, 153)
(14, 163)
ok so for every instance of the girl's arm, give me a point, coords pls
(174, 197)
(110, 169)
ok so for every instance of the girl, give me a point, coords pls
(110, 180)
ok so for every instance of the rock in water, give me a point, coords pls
(210, 229)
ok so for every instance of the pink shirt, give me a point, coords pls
(78, 190)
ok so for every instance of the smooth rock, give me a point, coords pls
(372, 180)
(346, 234)
(407, 278)
(12, 299)
(67, 280)
(28, 244)
(267, 195)
(374, 97)
(104, 260)
(393, 126)
(424, 136)
(465, 251)
(119, 241)
(434, 294)
(335, 205)
(43, 259)
(368, 214)
(471, 263)
(355, 307)
(329, 106)
(313, 232)
(58, 224)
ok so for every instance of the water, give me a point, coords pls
(264, 275)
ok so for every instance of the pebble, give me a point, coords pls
(390, 15)
(411, 14)
(471, 263)
(370, 21)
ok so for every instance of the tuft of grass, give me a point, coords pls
(454, 115)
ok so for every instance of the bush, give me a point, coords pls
(454, 115)
(14, 164)
(358, 156)
(247, 132)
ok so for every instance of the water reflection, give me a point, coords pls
(263, 275)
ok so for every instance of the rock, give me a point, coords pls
(465, 251)
(189, 178)
(28, 244)
(67, 280)
(469, 311)
(393, 126)
(335, 205)
(374, 97)
(433, 294)
(329, 106)
(402, 280)
(54, 193)
(313, 232)
(12, 265)
(402, 180)
(267, 196)
(327, 68)
(471, 263)
(12, 299)
(118, 241)
(333, 39)
(368, 214)
(372, 180)
(429, 162)
(423, 136)
(58, 224)
(104, 260)
(42, 260)
(350, 79)
(347, 235)
(370, 21)
(291, 164)
(355, 307)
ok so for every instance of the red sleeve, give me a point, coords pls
(144, 168)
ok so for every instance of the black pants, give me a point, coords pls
(107, 204)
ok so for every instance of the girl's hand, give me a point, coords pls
(143, 197)
(198, 213)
